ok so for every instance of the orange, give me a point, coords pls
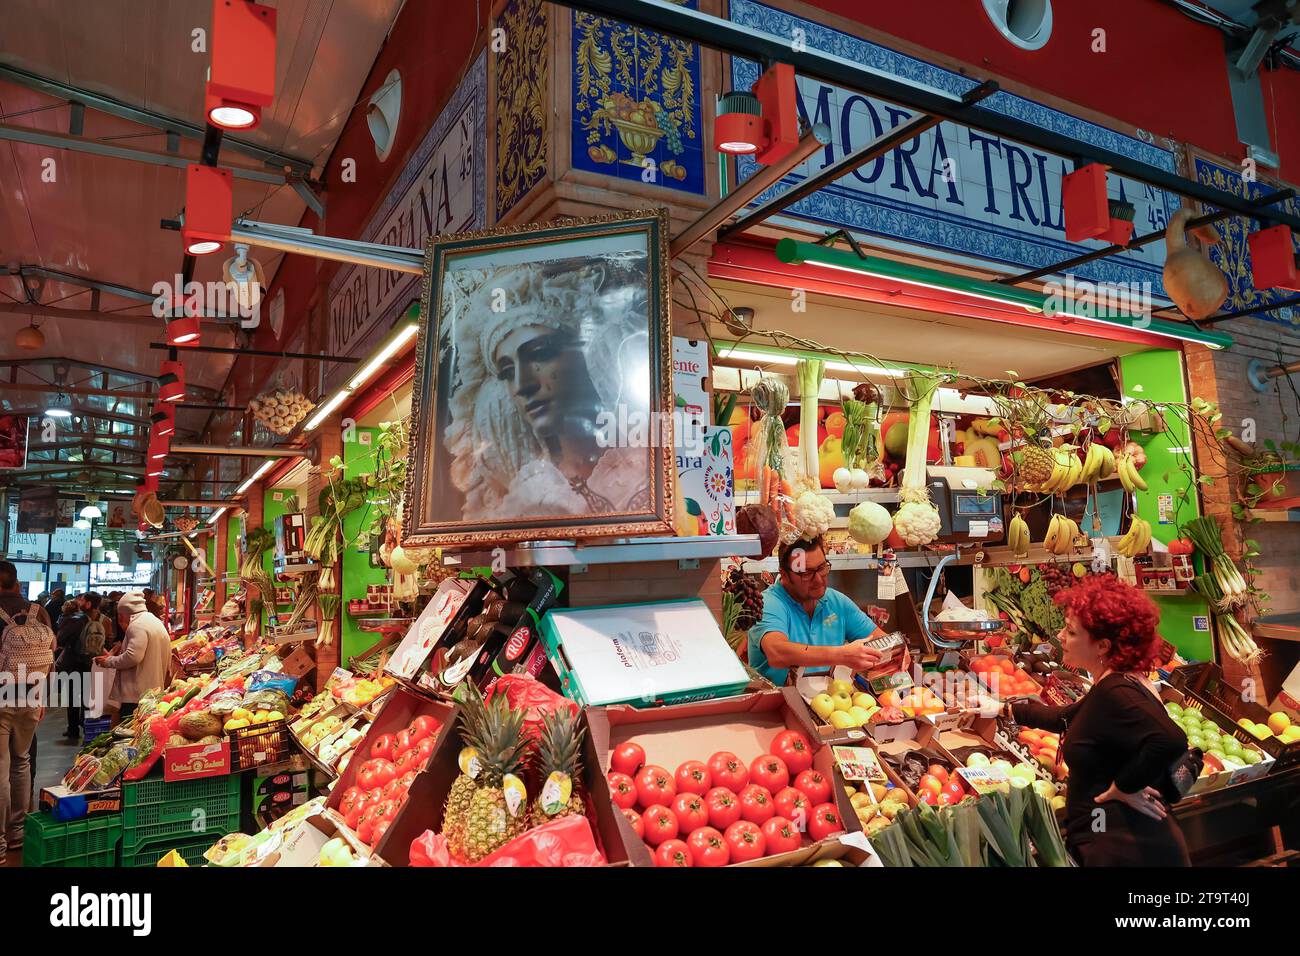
(1007, 666)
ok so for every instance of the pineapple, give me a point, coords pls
(463, 787)
(560, 765)
(1035, 464)
(489, 824)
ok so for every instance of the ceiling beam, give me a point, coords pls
(90, 444)
(72, 278)
(77, 144)
(43, 389)
(85, 413)
(146, 117)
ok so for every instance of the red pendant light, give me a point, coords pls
(208, 209)
(164, 421)
(183, 330)
(159, 446)
(1273, 260)
(241, 79)
(738, 127)
(171, 382)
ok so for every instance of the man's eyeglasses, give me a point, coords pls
(822, 570)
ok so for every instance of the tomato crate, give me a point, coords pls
(149, 854)
(259, 745)
(154, 810)
(88, 841)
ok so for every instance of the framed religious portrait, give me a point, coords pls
(542, 405)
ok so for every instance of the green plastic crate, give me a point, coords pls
(89, 841)
(191, 852)
(154, 810)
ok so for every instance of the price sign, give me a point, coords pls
(859, 763)
(986, 779)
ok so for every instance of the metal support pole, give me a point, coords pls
(306, 243)
(245, 451)
(270, 353)
(812, 140)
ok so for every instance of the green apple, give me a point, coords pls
(828, 863)
(977, 759)
(1002, 764)
(842, 701)
(1044, 789)
(838, 687)
(1020, 783)
(1195, 741)
(863, 700)
(860, 715)
(822, 705)
(842, 720)
(1217, 754)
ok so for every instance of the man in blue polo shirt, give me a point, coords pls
(807, 624)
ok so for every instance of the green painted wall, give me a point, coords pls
(1157, 375)
(358, 459)
(232, 557)
(272, 507)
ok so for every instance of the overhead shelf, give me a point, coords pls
(621, 551)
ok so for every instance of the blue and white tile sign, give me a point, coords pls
(1003, 203)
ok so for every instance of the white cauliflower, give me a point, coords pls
(917, 523)
(813, 514)
(869, 523)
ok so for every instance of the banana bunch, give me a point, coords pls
(1137, 540)
(1099, 463)
(1128, 474)
(1018, 536)
(1062, 533)
(1067, 471)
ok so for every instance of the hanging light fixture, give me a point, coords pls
(61, 407)
(208, 209)
(91, 511)
(183, 330)
(171, 382)
(764, 122)
(247, 277)
(164, 421)
(81, 524)
(159, 446)
(241, 79)
(738, 128)
(96, 543)
(29, 337)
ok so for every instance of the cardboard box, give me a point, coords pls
(809, 686)
(300, 846)
(423, 635)
(195, 761)
(66, 804)
(674, 734)
(663, 652)
(1205, 682)
(423, 810)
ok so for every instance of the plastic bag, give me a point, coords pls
(567, 841)
(526, 693)
(271, 680)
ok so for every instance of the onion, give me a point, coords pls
(842, 479)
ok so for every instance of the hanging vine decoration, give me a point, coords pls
(1031, 414)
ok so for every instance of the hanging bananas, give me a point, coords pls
(1063, 535)
(1128, 474)
(1018, 536)
(1137, 540)
(1098, 463)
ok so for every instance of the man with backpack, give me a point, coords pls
(81, 640)
(27, 647)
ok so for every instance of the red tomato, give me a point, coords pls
(824, 821)
(387, 810)
(781, 835)
(694, 777)
(365, 826)
(376, 773)
(746, 841)
(660, 824)
(424, 750)
(423, 726)
(938, 771)
(392, 788)
(947, 799)
(382, 748)
(655, 785)
(627, 758)
(756, 804)
(401, 742)
(793, 747)
(954, 789)
(673, 853)
(372, 797)
(727, 771)
(353, 802)
(408, 779)
(709, 847)
(377, 833)
(634, 818)
(793, 805)
(408, 761)
(814, 786)
(724, 807)
(770, 771)
(622, 788)
(691, 811)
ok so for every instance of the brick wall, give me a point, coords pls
(1276, 415)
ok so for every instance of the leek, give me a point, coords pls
(809, 373)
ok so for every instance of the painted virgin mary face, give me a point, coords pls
(546, 372)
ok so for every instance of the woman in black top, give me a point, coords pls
(1118, 741)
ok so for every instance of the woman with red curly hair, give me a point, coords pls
(1117, 739)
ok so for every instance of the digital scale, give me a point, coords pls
(970, 509)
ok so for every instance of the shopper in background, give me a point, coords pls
(54, 608)
(807, 624)
(1117, 740)
(112, 635)
(69, 660)
(142, 663)
(18, 720)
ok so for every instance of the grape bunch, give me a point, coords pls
(748, 592)
(665, 121)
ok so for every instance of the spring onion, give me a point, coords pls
(1204, 532)
(809, 373)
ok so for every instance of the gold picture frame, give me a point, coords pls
(538, 345)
